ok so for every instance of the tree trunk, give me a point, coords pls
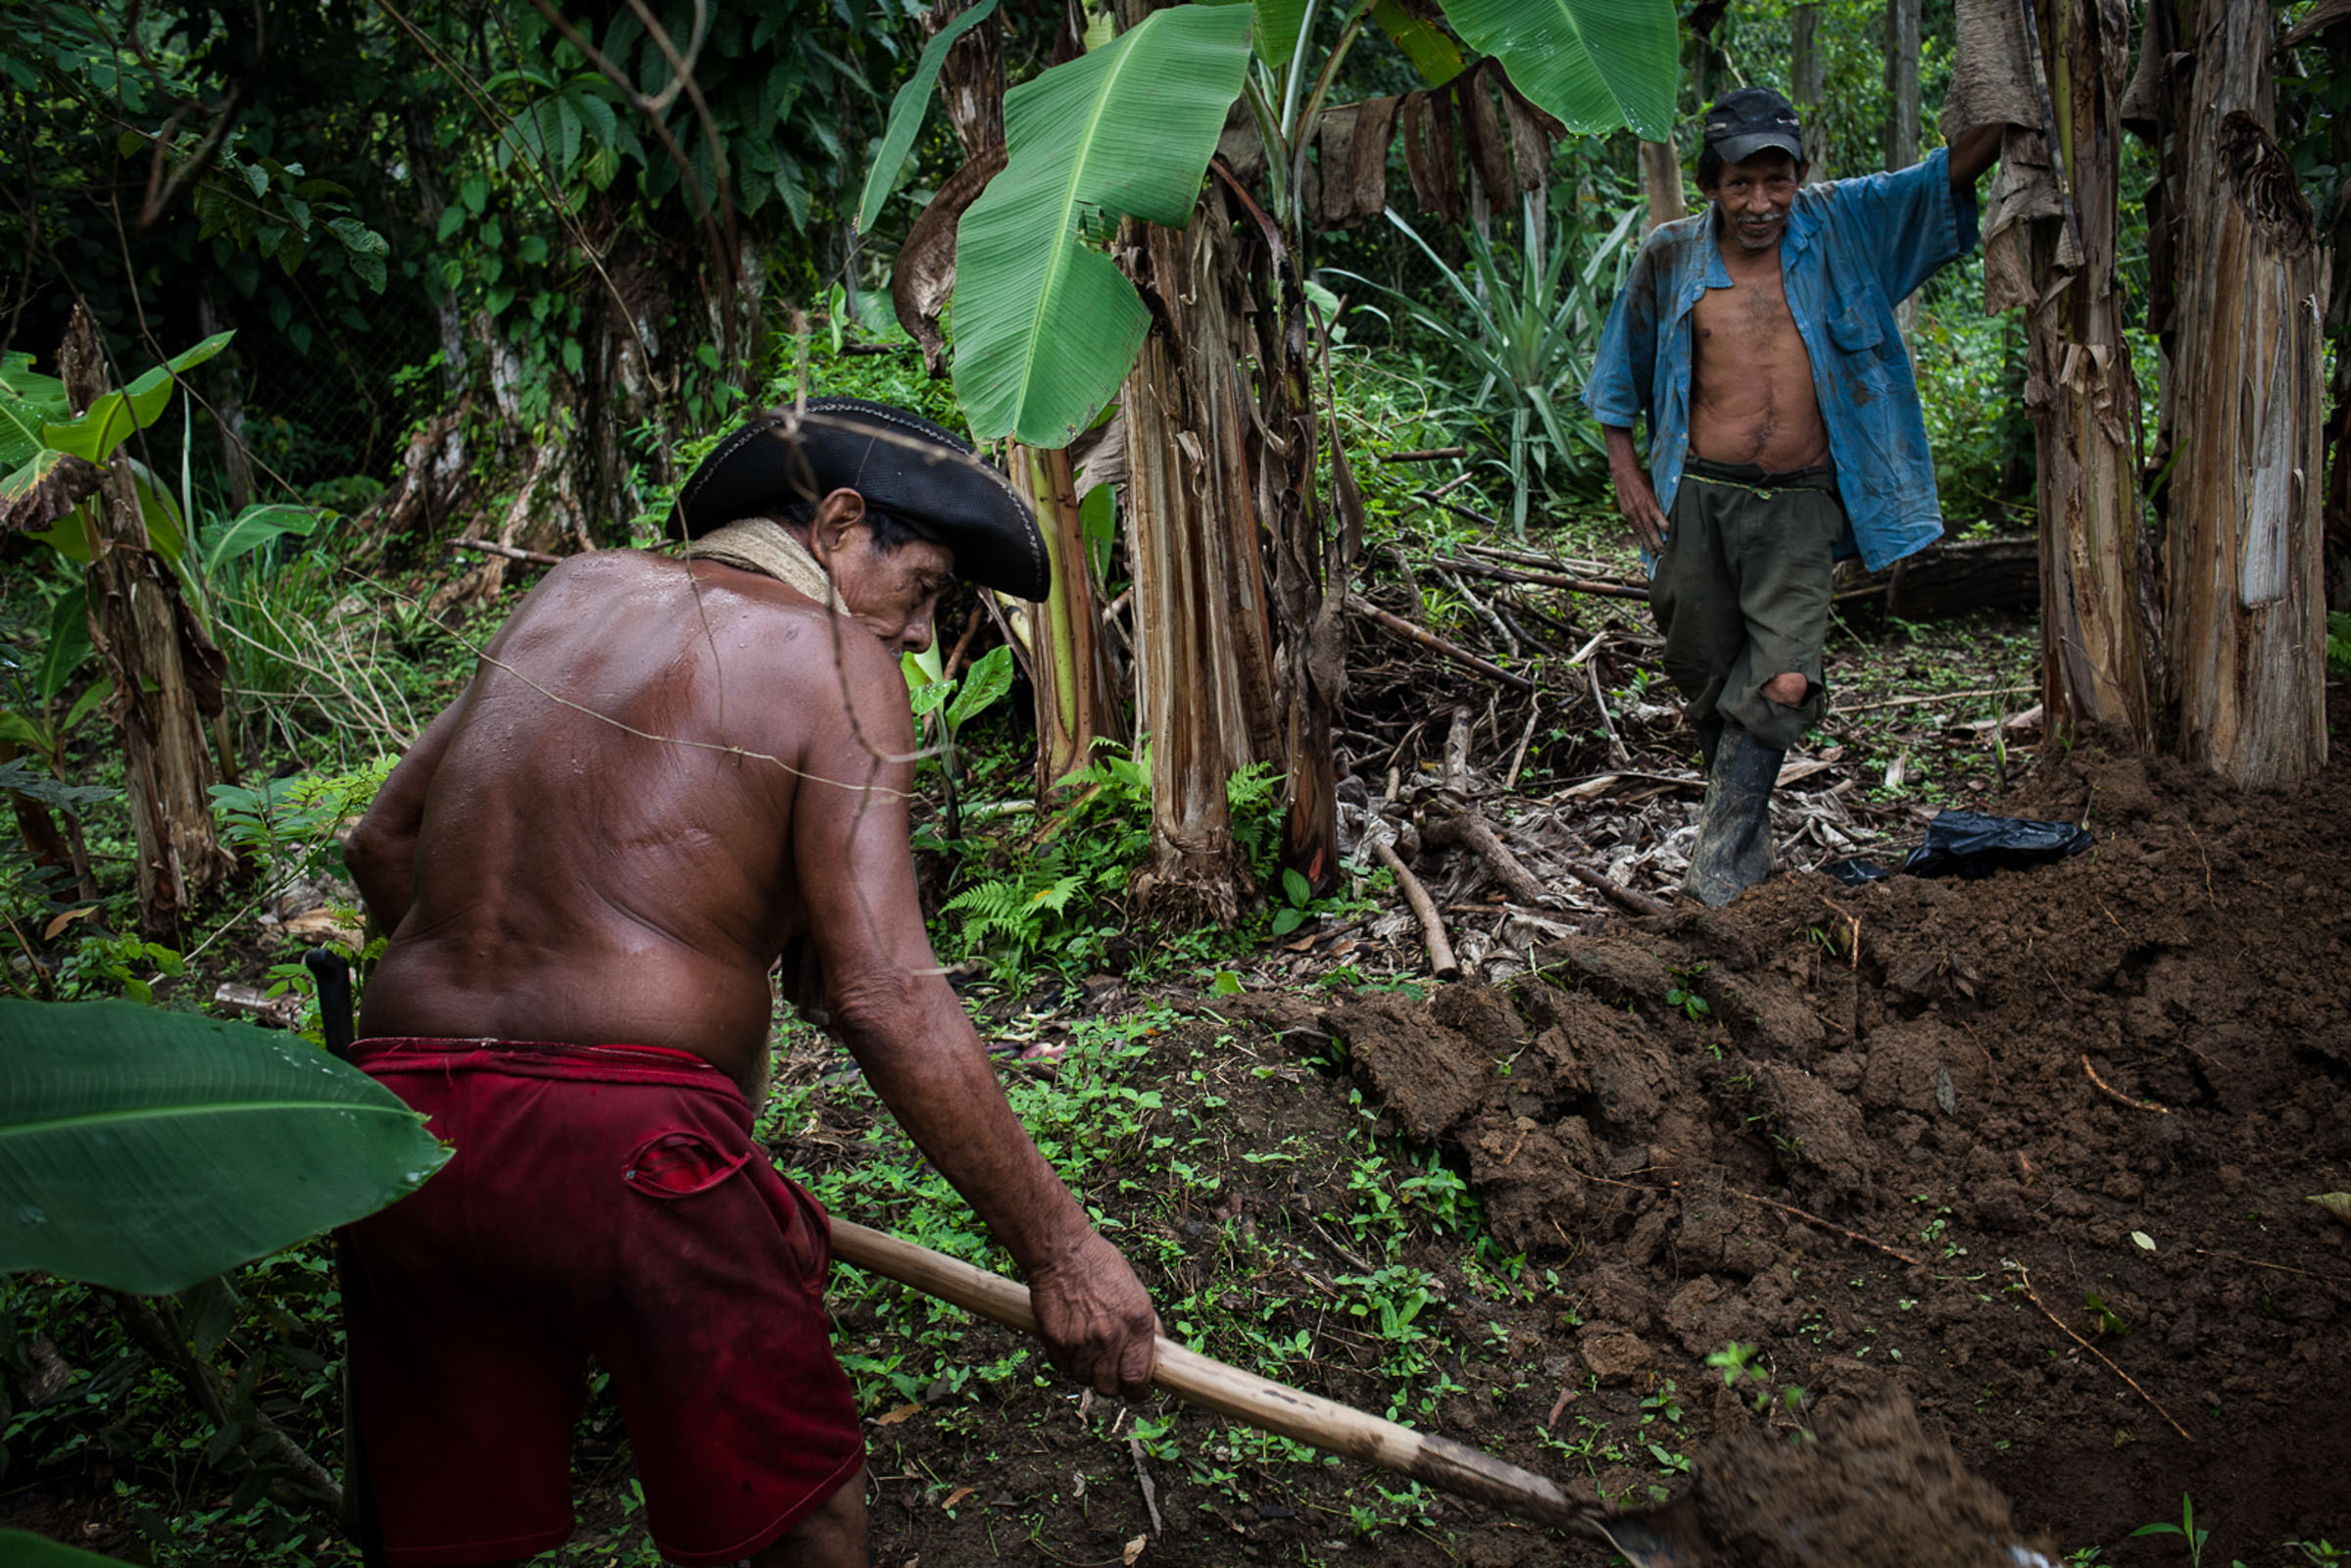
(1903, 83)
(1661, 180)
(143, 633)
(2246, 596)
(1203, 682)
(1808, 76)
(2097, 635)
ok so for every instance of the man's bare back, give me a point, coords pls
(1751, 394)
(620, 787)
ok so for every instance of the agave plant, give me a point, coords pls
(1528, 327)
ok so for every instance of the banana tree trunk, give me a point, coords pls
(1808, 83)
(2097, 640)
(1661, 182)
(1204, 670)
(2246, 589)
(1068, 665)
(142, 632)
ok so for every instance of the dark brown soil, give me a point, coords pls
(1908, 1109)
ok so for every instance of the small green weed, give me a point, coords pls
(2185, 1528)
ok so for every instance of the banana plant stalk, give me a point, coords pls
(1065, 648)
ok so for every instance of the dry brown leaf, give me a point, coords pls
(958, 1496)
(902, 1412)
(49, 932)
(2337, 1203)
(1134, 1550)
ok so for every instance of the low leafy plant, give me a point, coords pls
(2184, 1529)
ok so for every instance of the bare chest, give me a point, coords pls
(1748, 325)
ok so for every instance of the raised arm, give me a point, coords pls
(1973, 153)
(893, 1009)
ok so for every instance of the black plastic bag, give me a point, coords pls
(1856, 871)
(1968, 844)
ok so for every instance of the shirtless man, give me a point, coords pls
(664, 774)
(1758, 339)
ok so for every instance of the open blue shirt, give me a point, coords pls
(1851, 251)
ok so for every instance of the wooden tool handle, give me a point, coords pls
(1247, 1397)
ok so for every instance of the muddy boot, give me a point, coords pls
(1734, 851)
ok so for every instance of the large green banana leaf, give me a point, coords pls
(1046, 328)
(147, 1149)
(1592, 64)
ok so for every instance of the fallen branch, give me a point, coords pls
(1933, 696)
(1430, 639)
(1442, 961)
(1464, 828)
(491, 547)
(1424, 454)
(2213, 1251)
(2025, 1276)
(1546, 579)
(2135, 1105)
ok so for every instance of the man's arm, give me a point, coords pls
(1635, 495)
(892, 1009)
(381, 854)
(1973, 153)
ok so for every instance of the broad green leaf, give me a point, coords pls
(20, 424)
(69, 644)
(146, 1149)
(1276, 34)
(1431, 52)
(1046, 328)
(109, 421)
(988, 678)
(21, 1550)
(255, 527)
(159, 513)
(1595, 65)
(99, 691)
(906, 114)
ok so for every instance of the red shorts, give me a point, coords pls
(604, 1201)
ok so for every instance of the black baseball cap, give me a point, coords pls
(898, 460)
(1744, 122)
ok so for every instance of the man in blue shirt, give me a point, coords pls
(1758, 339)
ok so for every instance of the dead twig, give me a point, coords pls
(2117, 1093)
(1430, 639)
(1518, 758)
(490, 547)
(2024, 1278)
(2281, 1268)
(1814, 1219)
(1442, 961)
(1844, 709)
(1465, 829)
(1596, 587)
(1424, 454)
(1617, 755)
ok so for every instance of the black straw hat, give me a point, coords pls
(1744, 122)
(900, 462)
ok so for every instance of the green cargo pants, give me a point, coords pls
(1741, 592)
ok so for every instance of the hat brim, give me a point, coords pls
(900, 463)
(1739, 149)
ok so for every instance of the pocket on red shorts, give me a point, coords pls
(811, 1235)
(679, 1164)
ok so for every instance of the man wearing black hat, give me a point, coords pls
(1758, 339)
(665, 774)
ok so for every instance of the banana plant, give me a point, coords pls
(1046, 326)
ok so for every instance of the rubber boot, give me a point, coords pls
(1734, 851)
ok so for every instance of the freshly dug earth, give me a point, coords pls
(1912, 1116)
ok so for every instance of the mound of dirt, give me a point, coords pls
(2014, 1144)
